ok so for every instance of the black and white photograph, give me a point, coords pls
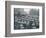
(26, 18)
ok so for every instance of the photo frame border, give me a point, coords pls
(8, 17)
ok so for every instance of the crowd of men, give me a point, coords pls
(26, 22)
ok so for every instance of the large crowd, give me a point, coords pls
(26, 22)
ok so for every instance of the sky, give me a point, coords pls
(26, 10)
